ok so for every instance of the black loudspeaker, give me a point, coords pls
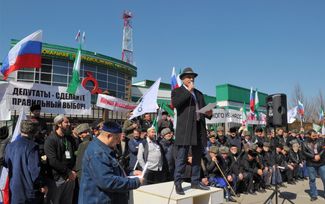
(276, 110)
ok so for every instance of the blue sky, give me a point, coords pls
(268, 44)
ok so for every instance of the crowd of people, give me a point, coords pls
(102, 161)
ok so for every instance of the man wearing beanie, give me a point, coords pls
(167, 144)
(59, 149)
(22, 159)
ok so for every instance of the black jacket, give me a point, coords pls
(186, 127)
(309, 152)
(249, 166)
(295, 157)
(268, 158)
(55, 152)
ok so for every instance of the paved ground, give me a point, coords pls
(298, 194)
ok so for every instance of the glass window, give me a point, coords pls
(71, 63)
(112, 93)
(111, 86)
(121, 81)
(88, 67)
(111, 79)
(62, 63)
(27, 69)
(102, 85)
(70, 71)
(112, 72)
(120, 95)
(46, 82)
(59, 70)
(25, 75)
(102, 77)
(36, 76)
(59, 84)
(122, 75)
(47, 61)
(45, 77)
(121, 88)
(46, 69)
(102, 70)
(59, 78)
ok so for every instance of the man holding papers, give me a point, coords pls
(103, 179)
(190, 129)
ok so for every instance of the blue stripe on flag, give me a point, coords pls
(5, 65)
(30, 47)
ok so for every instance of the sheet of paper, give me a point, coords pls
(143, 172)
(206, 108)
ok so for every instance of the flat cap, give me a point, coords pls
(82, 128)
(165, 131)
(213, 149)
(223, 150)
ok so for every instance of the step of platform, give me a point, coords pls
(164, 193)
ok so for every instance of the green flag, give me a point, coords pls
(75, 81)
(256, 105)
(167, 109)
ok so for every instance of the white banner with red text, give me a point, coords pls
(114, 104)
(235, 116)
(52, 99)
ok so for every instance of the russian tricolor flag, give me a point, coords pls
(174, 82)
(301, 109)
(25, 54)
(251, 101)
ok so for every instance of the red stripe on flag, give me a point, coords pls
(6, 193)
(24, 61)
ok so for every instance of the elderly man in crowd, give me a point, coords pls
(151, 154)
(22, 160)
(103, 179)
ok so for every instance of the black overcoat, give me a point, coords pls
(187, 126)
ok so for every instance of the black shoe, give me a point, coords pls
(313, 198)
(282, 185)
(252, 192)
(200, 187)
(262, 191)
(291, 182)
(179, 189)
(269, 187)
(231, 199)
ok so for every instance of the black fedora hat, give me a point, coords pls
(187, 71)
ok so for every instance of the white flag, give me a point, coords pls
(5, 113)
(4, 172)
(292, 114)
(148, 104)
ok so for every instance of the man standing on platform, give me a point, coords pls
(191, 131)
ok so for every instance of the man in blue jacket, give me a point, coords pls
(103, 179)
(22, 160)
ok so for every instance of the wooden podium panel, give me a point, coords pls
(164, 193)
